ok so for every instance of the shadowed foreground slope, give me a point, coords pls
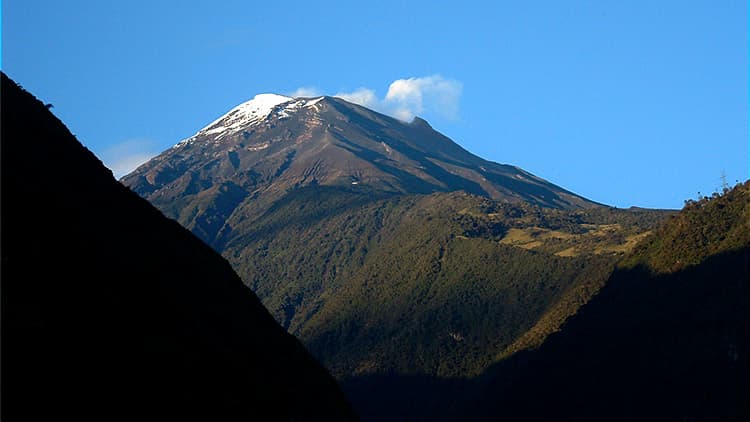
(666, 339)
(110, 310)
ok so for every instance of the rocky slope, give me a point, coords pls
(237, 166)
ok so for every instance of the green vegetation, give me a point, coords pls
(443, 294)
(409, 295)
(665, 339)
(423, 284)
(655, 342)
(703, 228)
(336, 224)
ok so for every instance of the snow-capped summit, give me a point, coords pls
(274, 143)
(246, 113)
(250, 113)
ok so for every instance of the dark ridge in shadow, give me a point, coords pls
(648, 347)
(110, 311)
(399, 397)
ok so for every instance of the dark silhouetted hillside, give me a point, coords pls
(669, 347)
(665, 339)
(112, 311)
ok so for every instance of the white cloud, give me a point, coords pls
(410, 97)
(126, 156)
(305, 91)
(363, 96)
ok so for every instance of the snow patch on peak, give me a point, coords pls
(287, 109)
(251, 112)
(248, 112)
(313, 101)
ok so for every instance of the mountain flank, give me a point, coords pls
(425, 283)
(435, 285)
(664, 338)
(110, 311)
(243, 162)
(388, 249)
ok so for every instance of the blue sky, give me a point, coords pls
(626, 102)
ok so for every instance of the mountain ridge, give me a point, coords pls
(329, 141)
(665, 337)
(317, 204)
(110, 311)
(426, 279)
